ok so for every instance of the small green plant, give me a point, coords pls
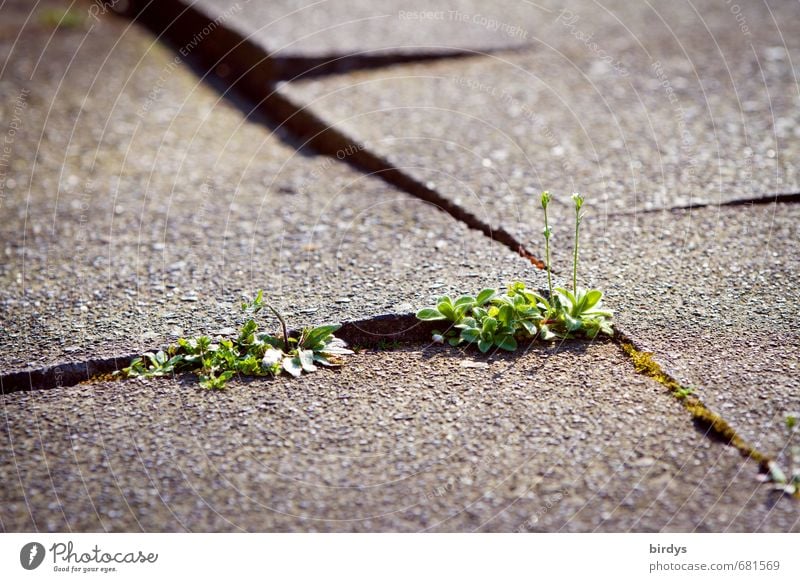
(492, 319)
(790, 484)
(252, 353)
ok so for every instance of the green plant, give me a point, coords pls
(791, 484)
(498, 320)
(252, 353)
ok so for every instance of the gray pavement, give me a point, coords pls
(335, 29)
(712, 293)
(562, 438)
(139, 204)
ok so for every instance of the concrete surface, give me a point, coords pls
(559, 439)
(331, 29)
(138, 204)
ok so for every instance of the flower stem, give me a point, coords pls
(547, 254)
(286, 344)
(575, 257)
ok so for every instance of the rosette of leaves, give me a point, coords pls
(493, 319)
(496, 320)
(251, 353)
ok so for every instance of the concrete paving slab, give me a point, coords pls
(556, 439)
(327, 29)
(636, 107)
(713, 293)
(138, 205)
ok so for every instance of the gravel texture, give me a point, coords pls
(559, 439)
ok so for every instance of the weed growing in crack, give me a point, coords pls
(789, 485)
(492, 319)
(252, 353)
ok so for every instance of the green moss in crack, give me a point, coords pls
(494, 320)
(644, 363)
(252, 353)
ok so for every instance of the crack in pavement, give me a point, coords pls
(404, 328)
(779, 198)
(370, 332)
(256, 75)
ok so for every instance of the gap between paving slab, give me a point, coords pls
(787, 198)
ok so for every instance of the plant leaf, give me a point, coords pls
(445, 307)
(430, 314)
(593, 297)
(506, 342)
(317, 335)
(307, 360)
(484, 296)
(293, 365)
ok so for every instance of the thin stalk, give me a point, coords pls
(283, 327)
(578, 199)
(575, 257)
(547, 253)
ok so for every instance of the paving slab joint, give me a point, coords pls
(778, 198)
(709, 422)
(255, 75)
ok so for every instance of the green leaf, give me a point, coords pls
(317, 335)
(307, 360)
(485, 296)
(572, 323)
(293, 365)
(506, 342)
(466, 323)
(567, 294)
(465, 301)
(489, 325)
(430, 314)
(593, 297)
(546, 334)
(506, 314)
(445, 307)
(454, 341)
(470, 334)
(530, 327)
(479, 313)
(484, 346)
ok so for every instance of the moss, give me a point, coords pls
(712, 422)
